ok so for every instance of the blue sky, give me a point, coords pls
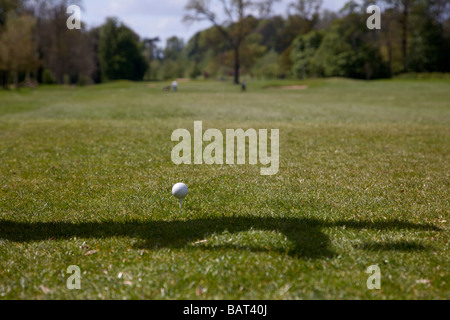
(163, 18)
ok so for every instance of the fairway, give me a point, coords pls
(86, 178)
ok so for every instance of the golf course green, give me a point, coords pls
(86, 178)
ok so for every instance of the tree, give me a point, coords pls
(151, 49)
(303, 15)
(429, 45)
(18, 47)
(174, 61)
(12, 8)
(174, 47)
(235, 26)
(7, 6)
(347, 49)
(403, 11)
(154, 56)
(308, 10)
(415, 34)
(303, 52)
(268, 67)
(68, 54)
(120, 53)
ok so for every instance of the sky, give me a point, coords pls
(159, 18)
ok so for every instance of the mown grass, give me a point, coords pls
(86, 177)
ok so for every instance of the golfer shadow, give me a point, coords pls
(305, 236)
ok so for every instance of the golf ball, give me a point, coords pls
(180, 190)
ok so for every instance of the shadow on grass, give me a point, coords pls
(393, 246)
(305, 235)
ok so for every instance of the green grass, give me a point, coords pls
(363, 180)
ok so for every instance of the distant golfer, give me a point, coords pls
(244, 86)
(175, 86)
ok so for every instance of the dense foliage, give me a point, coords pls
(37, 47)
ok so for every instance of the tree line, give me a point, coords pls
(245, 38)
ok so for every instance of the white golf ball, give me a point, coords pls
(180, 190)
